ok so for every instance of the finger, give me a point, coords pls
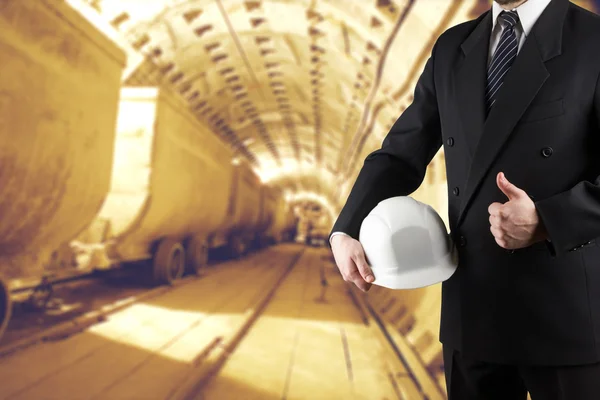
(355, 277)
(497, 232)
(501, 243)
(494, 208)
(364, 286)
(509, 243)
(363, 267)
(494, 220)
(497, 220)
(509, 189)
(345, 266)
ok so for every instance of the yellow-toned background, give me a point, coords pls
(137, 130)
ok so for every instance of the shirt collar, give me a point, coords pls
(529, 12)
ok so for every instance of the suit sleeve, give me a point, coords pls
(398, 167)
(572, 218)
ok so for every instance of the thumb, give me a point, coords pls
(363, 267)
(510, 190)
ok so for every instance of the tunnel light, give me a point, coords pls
(288, 195)
(140, 93)
(257, 172)
(291, 169)
(312, 196)
(270, 171)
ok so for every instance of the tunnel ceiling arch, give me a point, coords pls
(289, 84)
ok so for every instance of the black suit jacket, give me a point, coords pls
(540, 304)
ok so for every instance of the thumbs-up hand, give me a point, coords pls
(515, 224)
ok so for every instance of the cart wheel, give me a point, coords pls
(197, 255)
(169, 261)
(41, 295)
(262, 241)
(5, 307)
(237, 247)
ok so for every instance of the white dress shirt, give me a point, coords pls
(529, 12)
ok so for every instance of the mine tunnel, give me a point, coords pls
(169, 175)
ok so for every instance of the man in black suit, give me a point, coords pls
(515, 92)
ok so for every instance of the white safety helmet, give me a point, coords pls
(407, 245)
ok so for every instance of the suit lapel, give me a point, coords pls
(521, 84)
(470, 80)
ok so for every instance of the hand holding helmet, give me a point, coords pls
(406, 243)
(350, 259)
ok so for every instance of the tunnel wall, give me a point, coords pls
(59, 91)
(282, 216)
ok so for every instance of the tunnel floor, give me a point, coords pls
(309, 343)
(278, 324)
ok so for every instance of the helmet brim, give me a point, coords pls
(393, 278)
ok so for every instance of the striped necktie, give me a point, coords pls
(503, 58)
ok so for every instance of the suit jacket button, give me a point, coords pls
(450, 141)
(547, 152)
(462, 242)
(455, 191)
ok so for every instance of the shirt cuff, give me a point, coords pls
(336, 233)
